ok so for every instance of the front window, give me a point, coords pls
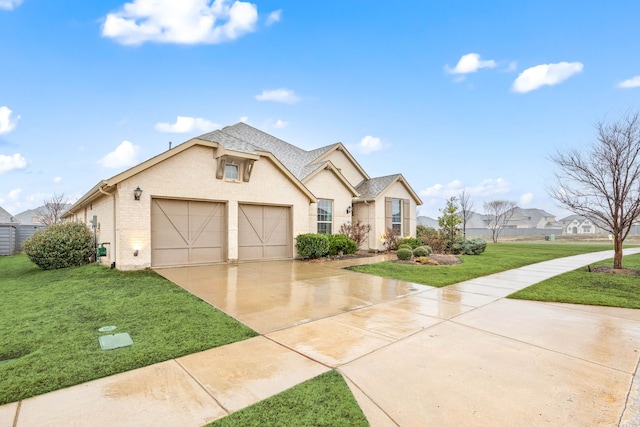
(396, 215)
(325, 216)
(231, 172)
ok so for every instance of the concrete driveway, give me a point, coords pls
(459, 355)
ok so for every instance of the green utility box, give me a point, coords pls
(102, 251)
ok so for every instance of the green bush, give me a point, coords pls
(405, 246)
(474, 246)
(413, 242)
(312, 245)
(339, 244)
(422, 251)
(404, 254)
(63, 245)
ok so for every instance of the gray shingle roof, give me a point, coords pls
(247, 139)
(371, 188)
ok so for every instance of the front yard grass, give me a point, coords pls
(323, 401)
(583, 287)
(49, 324)
(496, 258)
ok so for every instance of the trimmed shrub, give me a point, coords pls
(339, 244)
(413, 242)
(312, 245)
(474, 246)
(68, 244)
(404, 254)
(404, 246)
(422, 251)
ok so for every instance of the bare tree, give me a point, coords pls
(53, 209)
(602, 181)
(498, 212)
(466, 205)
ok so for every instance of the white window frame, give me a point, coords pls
(322, 219)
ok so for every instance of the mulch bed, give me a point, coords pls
(434, 259)
(611, 270)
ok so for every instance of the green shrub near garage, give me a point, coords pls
(339, 244)
(312, 245)
(68, 244)
(404, 254)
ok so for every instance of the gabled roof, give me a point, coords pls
(6, 217)
(331, 167)
(371, 188)
(244, 138)
(26, 217)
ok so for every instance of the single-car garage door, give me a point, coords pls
(264, 232)
(186, 232)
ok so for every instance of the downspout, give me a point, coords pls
(368, 222)
(113, 246)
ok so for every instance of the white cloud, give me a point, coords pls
(629, 83)
(9, 163)
(125, 155)
(181, 22)
(9, 4)
(444, 191)
(526, 199)
(286, 96)
(14, 194)
(7, 123)
(470, 63)
(57, 180)
(490, 187)
(244, 119)
(185, 124)
(369, 144)
(274, 17)
(281, 124)
(545, 75)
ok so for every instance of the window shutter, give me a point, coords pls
(387, 213)
(406, 217)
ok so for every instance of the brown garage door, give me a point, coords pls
(185, 232)
(264, 232)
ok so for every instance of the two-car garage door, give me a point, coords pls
(188, 232)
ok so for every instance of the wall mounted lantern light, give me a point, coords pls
(135, 253)
(349, 209)
(137, 193)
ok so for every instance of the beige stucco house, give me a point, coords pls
(238, 194)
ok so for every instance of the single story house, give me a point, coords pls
(578, 224)
(238, 194)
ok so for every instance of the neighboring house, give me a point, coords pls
(428, 222)
(8, 227)
(238, 194)
(31, 216)
(30, 222)
(577, 224)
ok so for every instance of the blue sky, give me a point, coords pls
(453, 94)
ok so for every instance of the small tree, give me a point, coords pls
(602, 181)
(466, 206)
(450, 221)
(53, 209)
(356, 231)
(498, 212)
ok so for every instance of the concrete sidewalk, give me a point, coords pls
(412, 355)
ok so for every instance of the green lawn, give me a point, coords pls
(582, 287)
(497, 257)
(49, 324)
(324, 401)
